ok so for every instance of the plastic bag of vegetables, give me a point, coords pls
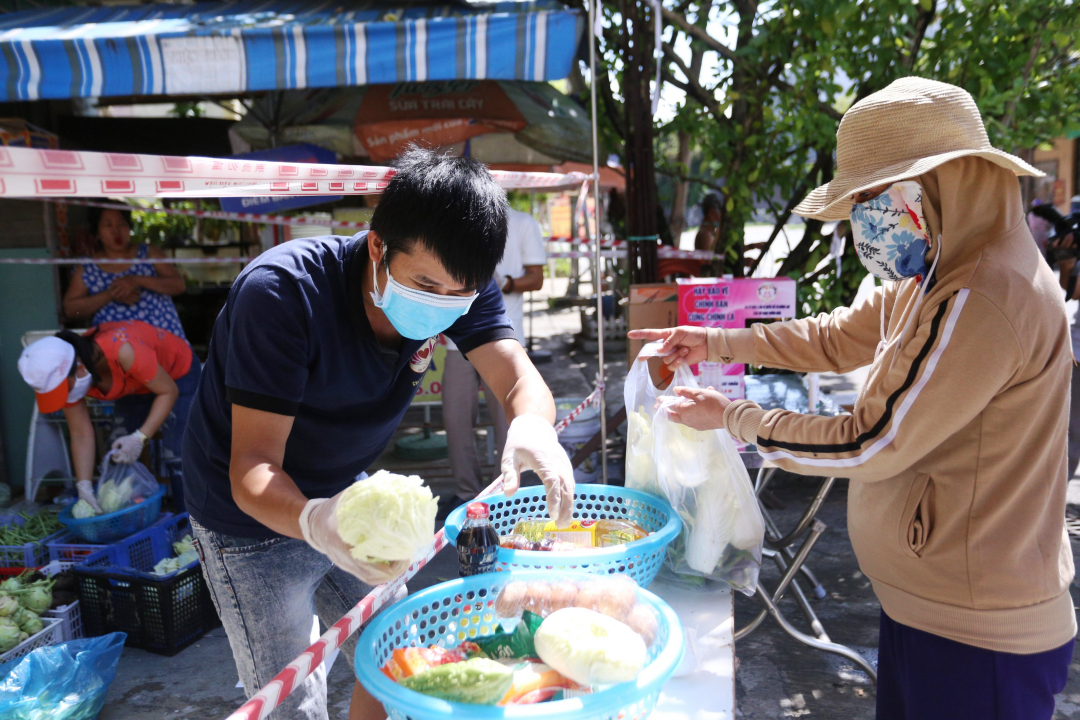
(640, 393)
(67, 681)
(704, 479)
(123, 484)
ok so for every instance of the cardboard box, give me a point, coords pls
(652, 305)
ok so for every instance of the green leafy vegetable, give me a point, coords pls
(8, 605)
(387, 517)
(185, 555)
(478, 681)
(83, 510)
(589, 647)
(33, 528)
(9, 634)
(32, 624)
(113, 496)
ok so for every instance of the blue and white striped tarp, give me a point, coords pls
(235, 47)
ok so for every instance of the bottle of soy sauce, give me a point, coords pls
(477, 543)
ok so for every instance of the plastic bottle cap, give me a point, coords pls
(476, 511)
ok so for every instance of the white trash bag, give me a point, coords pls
(701, 475)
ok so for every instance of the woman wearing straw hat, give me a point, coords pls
(956, 448)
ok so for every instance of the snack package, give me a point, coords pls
(580, 533)
(513, 643)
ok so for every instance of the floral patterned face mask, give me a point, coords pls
(890, 233)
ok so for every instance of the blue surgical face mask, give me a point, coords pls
(416, 314)
(890, 233)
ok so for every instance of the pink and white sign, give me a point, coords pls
(732, 303)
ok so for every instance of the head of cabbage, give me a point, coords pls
(387, 517)
(9, 634)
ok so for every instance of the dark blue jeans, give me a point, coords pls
(130, 413)
(922, 676)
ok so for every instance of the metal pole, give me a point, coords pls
(598, 261)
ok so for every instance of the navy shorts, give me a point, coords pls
(922, 676)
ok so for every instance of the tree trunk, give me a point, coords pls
(640, 177)
(678, 204)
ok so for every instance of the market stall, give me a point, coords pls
(630, 684)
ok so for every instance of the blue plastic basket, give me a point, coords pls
(135, 556)
(640, 560)
(67, 548)
(114, 526)
(439, 616)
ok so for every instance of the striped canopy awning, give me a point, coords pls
(215, 48)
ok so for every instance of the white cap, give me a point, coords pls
(45, 366)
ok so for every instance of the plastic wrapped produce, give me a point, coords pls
(701, 475)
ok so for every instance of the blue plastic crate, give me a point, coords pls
(70, 549)
(114, 526)
(162, 614)
(135, 556)
(30, 555)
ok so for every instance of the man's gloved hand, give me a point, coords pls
(128, 448)
(318, 523)
(533, 444)
(86, 492)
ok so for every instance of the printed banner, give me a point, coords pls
(730, 303)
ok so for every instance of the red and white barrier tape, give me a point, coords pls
(271, 696)
(662, 251)
(572, 415)
(29, 172)
(134, 261)
(222, 215)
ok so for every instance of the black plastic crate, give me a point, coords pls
(159, 616)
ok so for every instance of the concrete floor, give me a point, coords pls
(777, 677)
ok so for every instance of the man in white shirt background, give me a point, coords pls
(521, 270)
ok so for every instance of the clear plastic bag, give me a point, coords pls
(61, 682)
(121, 485)
(639, 396)
(701, 474)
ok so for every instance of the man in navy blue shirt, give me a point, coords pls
(312, 363)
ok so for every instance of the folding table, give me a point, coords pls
(785, 548)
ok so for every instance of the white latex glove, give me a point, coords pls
(128, 448)
(533, 444)
(318, 523)
(86, 492)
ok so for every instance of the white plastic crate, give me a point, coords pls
(50, 634)
(69, 615)
(70, 621)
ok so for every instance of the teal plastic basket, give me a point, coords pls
(115, 526)
(640, 560)
(464, 609)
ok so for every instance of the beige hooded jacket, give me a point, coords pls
(956, 449)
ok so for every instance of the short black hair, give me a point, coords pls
(93, 215)
(451, 206)
(85, 349)
(710, 202)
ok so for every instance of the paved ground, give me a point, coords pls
(777, 677)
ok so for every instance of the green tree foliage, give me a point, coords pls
(767, 82)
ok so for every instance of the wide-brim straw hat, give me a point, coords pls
(907, 129)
